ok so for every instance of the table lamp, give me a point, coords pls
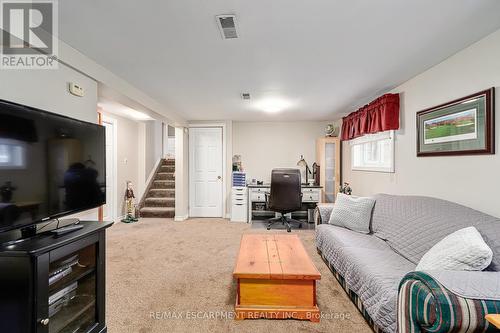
(304, 169)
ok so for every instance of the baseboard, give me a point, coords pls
(228, 215)
(180, 218)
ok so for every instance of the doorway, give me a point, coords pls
(109, 209)
(170, 142)
(206, 185)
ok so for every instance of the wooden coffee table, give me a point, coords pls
(494, 319)
(276, 279)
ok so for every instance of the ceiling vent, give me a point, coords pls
(245, 96)
(227, 26)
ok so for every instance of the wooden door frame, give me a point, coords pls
(224, 161)
(114, 121)
(100, 210)
(320, 157)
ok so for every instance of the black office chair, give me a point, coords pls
(285, 196)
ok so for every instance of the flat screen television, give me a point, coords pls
(50, 166)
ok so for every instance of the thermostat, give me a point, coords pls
(76, 89)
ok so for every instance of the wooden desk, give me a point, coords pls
(494, 319)
(311, 195)
(276, 279)
(30, 207)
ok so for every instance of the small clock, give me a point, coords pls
(331, 130)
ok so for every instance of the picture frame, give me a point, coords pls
(465, 126)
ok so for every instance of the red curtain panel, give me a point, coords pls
(380, 115)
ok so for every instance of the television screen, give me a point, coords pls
(50, 165)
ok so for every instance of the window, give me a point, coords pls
(12, 154)
(373, 152)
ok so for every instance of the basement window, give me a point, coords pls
(12, 154)
(373, 152)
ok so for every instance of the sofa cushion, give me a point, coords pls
(375, 276)
(352, 212)
(342, 237)
(370, 268)
(411, 225)
(462, 250)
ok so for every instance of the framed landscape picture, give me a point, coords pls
(465, 126)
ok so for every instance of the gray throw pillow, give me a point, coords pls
(352, 212)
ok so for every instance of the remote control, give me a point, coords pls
(67, 229)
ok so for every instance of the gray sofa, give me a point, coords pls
(377, 270)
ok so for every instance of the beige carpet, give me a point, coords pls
(165, 276)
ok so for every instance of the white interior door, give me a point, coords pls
(205, 172)
(110, 206)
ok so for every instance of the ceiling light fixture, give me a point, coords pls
(124, 111)
(138, 115)
(272, 104)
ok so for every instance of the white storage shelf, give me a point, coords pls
(239, 202)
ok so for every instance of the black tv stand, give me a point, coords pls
(46, 226)
(54, 284)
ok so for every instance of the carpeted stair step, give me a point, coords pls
(167, 168)
(167, 212)
(161, 193)
(164, 176)
(159, 202)
(170, 184)
(169, 162)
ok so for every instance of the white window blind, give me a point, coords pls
(373, 152)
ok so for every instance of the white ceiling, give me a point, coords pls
(119, 109)
(324, 57)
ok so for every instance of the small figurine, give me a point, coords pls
(346, 189)
(129, 202)
(7, 190)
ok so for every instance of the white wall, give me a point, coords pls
(153, 148)
(48, 90)
(470, 180)
(181, 174)
(265, 145)
(127, 161)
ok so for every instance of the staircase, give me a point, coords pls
(159, 200)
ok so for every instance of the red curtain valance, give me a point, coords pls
(380, 115)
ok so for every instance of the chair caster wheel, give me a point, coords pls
(289, 230)
(268, 228)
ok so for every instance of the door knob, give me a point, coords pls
(219, 177)
(44, 322)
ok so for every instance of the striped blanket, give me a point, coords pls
(424, 305)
